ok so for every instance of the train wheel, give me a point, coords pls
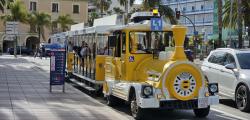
(136, 111)
(202, 112)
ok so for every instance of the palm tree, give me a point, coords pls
(167, 13)
(150, 4)
(65, 21)
(43, 20)
(31, 19)
(102, 5)
(220, 21)
(125, 3)
(3, 4)
(236, 16)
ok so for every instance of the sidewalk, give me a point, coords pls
(24, 95)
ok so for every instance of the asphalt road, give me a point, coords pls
(226, 110)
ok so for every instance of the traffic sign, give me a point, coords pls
(11, 28)
(156, 24)
(196, 33)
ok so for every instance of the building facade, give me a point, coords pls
(77, 9)
(200, 12)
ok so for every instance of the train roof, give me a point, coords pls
(142, 26)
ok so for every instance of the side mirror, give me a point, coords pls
(230, 66)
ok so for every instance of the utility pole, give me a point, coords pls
(220, 22)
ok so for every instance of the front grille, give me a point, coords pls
(178, 104)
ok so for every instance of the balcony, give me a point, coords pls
(174, 2)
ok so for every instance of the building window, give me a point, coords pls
(55, 7)
(202, 7)
(76, 9)
(32, 6)
(193, 8)
(184, 8)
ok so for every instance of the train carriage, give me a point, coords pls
(133, 63)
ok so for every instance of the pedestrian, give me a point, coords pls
(70, 47)
(36, 52)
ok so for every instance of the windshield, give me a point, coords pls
(146, 42)
(244, 61)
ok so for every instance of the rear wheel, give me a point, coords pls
(242, 98)
(202, 112)
(136, 111)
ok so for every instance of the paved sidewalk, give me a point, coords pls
(24, 95)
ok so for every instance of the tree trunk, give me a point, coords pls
(220, 22)
(239, 22)
(39, 34)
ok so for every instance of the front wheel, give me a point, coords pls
(242, 98)
(202, 112)
(136, 111)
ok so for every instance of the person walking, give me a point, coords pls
(36, 52)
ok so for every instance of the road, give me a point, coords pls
(224, 111)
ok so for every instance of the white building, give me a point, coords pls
(200, 12)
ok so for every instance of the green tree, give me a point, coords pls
(65, 21)
(238, 14)
(167, 13)
(102, 5)
(31, 19)
(4, 3)
(43, 20)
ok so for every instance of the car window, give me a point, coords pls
(244, 61)
(219, 58)
(229, 59)
(210, 59)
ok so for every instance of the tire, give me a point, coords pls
(111, 100)
(136, 111)
(202, 112)
(242, 98)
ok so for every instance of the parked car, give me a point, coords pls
(24, 50)
(47, 47)
(231, 69)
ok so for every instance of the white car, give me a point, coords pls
(231, 69)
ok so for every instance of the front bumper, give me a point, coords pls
(179, 104)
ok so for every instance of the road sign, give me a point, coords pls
(156, 24)
(11, 28)
(57, 67)
(196, 33)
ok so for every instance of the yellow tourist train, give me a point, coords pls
(134, 63)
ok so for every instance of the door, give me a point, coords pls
(227, 76)
(215, 68)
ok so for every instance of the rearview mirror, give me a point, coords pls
(230, 66)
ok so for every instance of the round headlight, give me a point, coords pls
(213, 88)
(147, 90)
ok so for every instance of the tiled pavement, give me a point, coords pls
(24, 95)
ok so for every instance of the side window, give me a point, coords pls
(219, 58)
(123, 42)
(230, 59)
(210, 59)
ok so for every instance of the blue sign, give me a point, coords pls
(196, 32)
(131, 58)
(156, 24)
(57, 66)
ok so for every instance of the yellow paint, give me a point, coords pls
(70, 58)
(100, 70)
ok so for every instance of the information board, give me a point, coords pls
(57, 67)
(156, 24)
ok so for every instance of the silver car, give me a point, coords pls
(231, 69)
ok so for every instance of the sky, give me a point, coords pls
(138, 1)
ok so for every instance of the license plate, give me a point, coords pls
(202, 102)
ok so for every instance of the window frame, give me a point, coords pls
(74, 9)
(31, 7)
(58, 8)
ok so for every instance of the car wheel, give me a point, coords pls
(202, 112)
(242, 98)
(136, 111)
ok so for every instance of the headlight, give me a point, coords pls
(147, 91)
(213, 88)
